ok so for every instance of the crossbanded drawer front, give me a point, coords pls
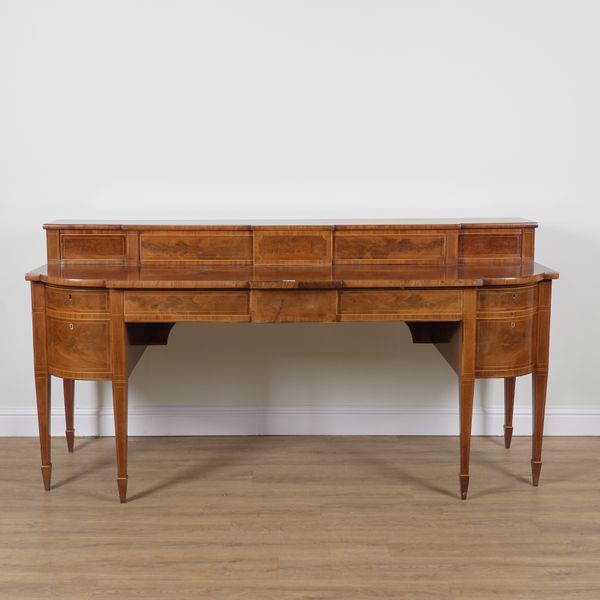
(504, 347)
(232, 306)
(283, 247)
(490, 246)
(400, 305)
(93, 246)
(78, 349)
(73, 300)
(376, 247)
(205, 247)
(509, 299)
(294, 306)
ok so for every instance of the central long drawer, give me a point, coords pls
(271, 306)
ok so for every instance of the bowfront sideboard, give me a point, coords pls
(470, 287)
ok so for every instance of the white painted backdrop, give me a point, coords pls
(231, 109)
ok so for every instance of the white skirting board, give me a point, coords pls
(300, 420)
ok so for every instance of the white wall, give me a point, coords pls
(230, 109)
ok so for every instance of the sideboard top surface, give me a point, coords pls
(340, 224)
(289, 276)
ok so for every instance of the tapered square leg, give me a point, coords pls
(539, 379)
(539, 384)
(69, 394)
(42, 377)
(467, 389)
(509, 404)
(119, 389)
(42, 390)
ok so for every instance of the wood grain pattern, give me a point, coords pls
(69, 397)
(507, 299)
(118, 358)
(495, 245)
(42, 378)
(528, 245)
(466, 382)
(299, 517)
(74, 300)
(293, 306)
(177, 276)
(540, 377)
(53, 245)
(505, 347)
(293, 247)
(400, 305)
(97, 246)
(509, 405)
(226, 306)
(78, 349)
(203, 247)
(390, 247)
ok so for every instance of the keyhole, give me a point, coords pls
(71, 326)
(514, 296)
(512, 324)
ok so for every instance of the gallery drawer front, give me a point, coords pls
(284, 247)
(202, 247)
(490, 246)
(93, 246)
(376, 247)
(78, 349)
(167, 306)
(293, 306)
(505, 347)
(507, 299)
(76, 300)
(400, 305)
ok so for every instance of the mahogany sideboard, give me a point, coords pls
(470, 287)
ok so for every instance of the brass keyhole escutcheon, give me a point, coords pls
(512, 324)
(71, 326)
(70, 298)
(514, 297)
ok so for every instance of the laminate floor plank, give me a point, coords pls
(301, 518)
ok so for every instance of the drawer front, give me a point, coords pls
(505, 347)
(389, 248)
(507, 299)
(186, 306)
(400, 305)
(210, 247)
(78, 349)
(293, 247)
(490, 246)
(76, 300)
(93, 246)
(293, 306)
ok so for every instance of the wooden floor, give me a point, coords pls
(287, 518)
